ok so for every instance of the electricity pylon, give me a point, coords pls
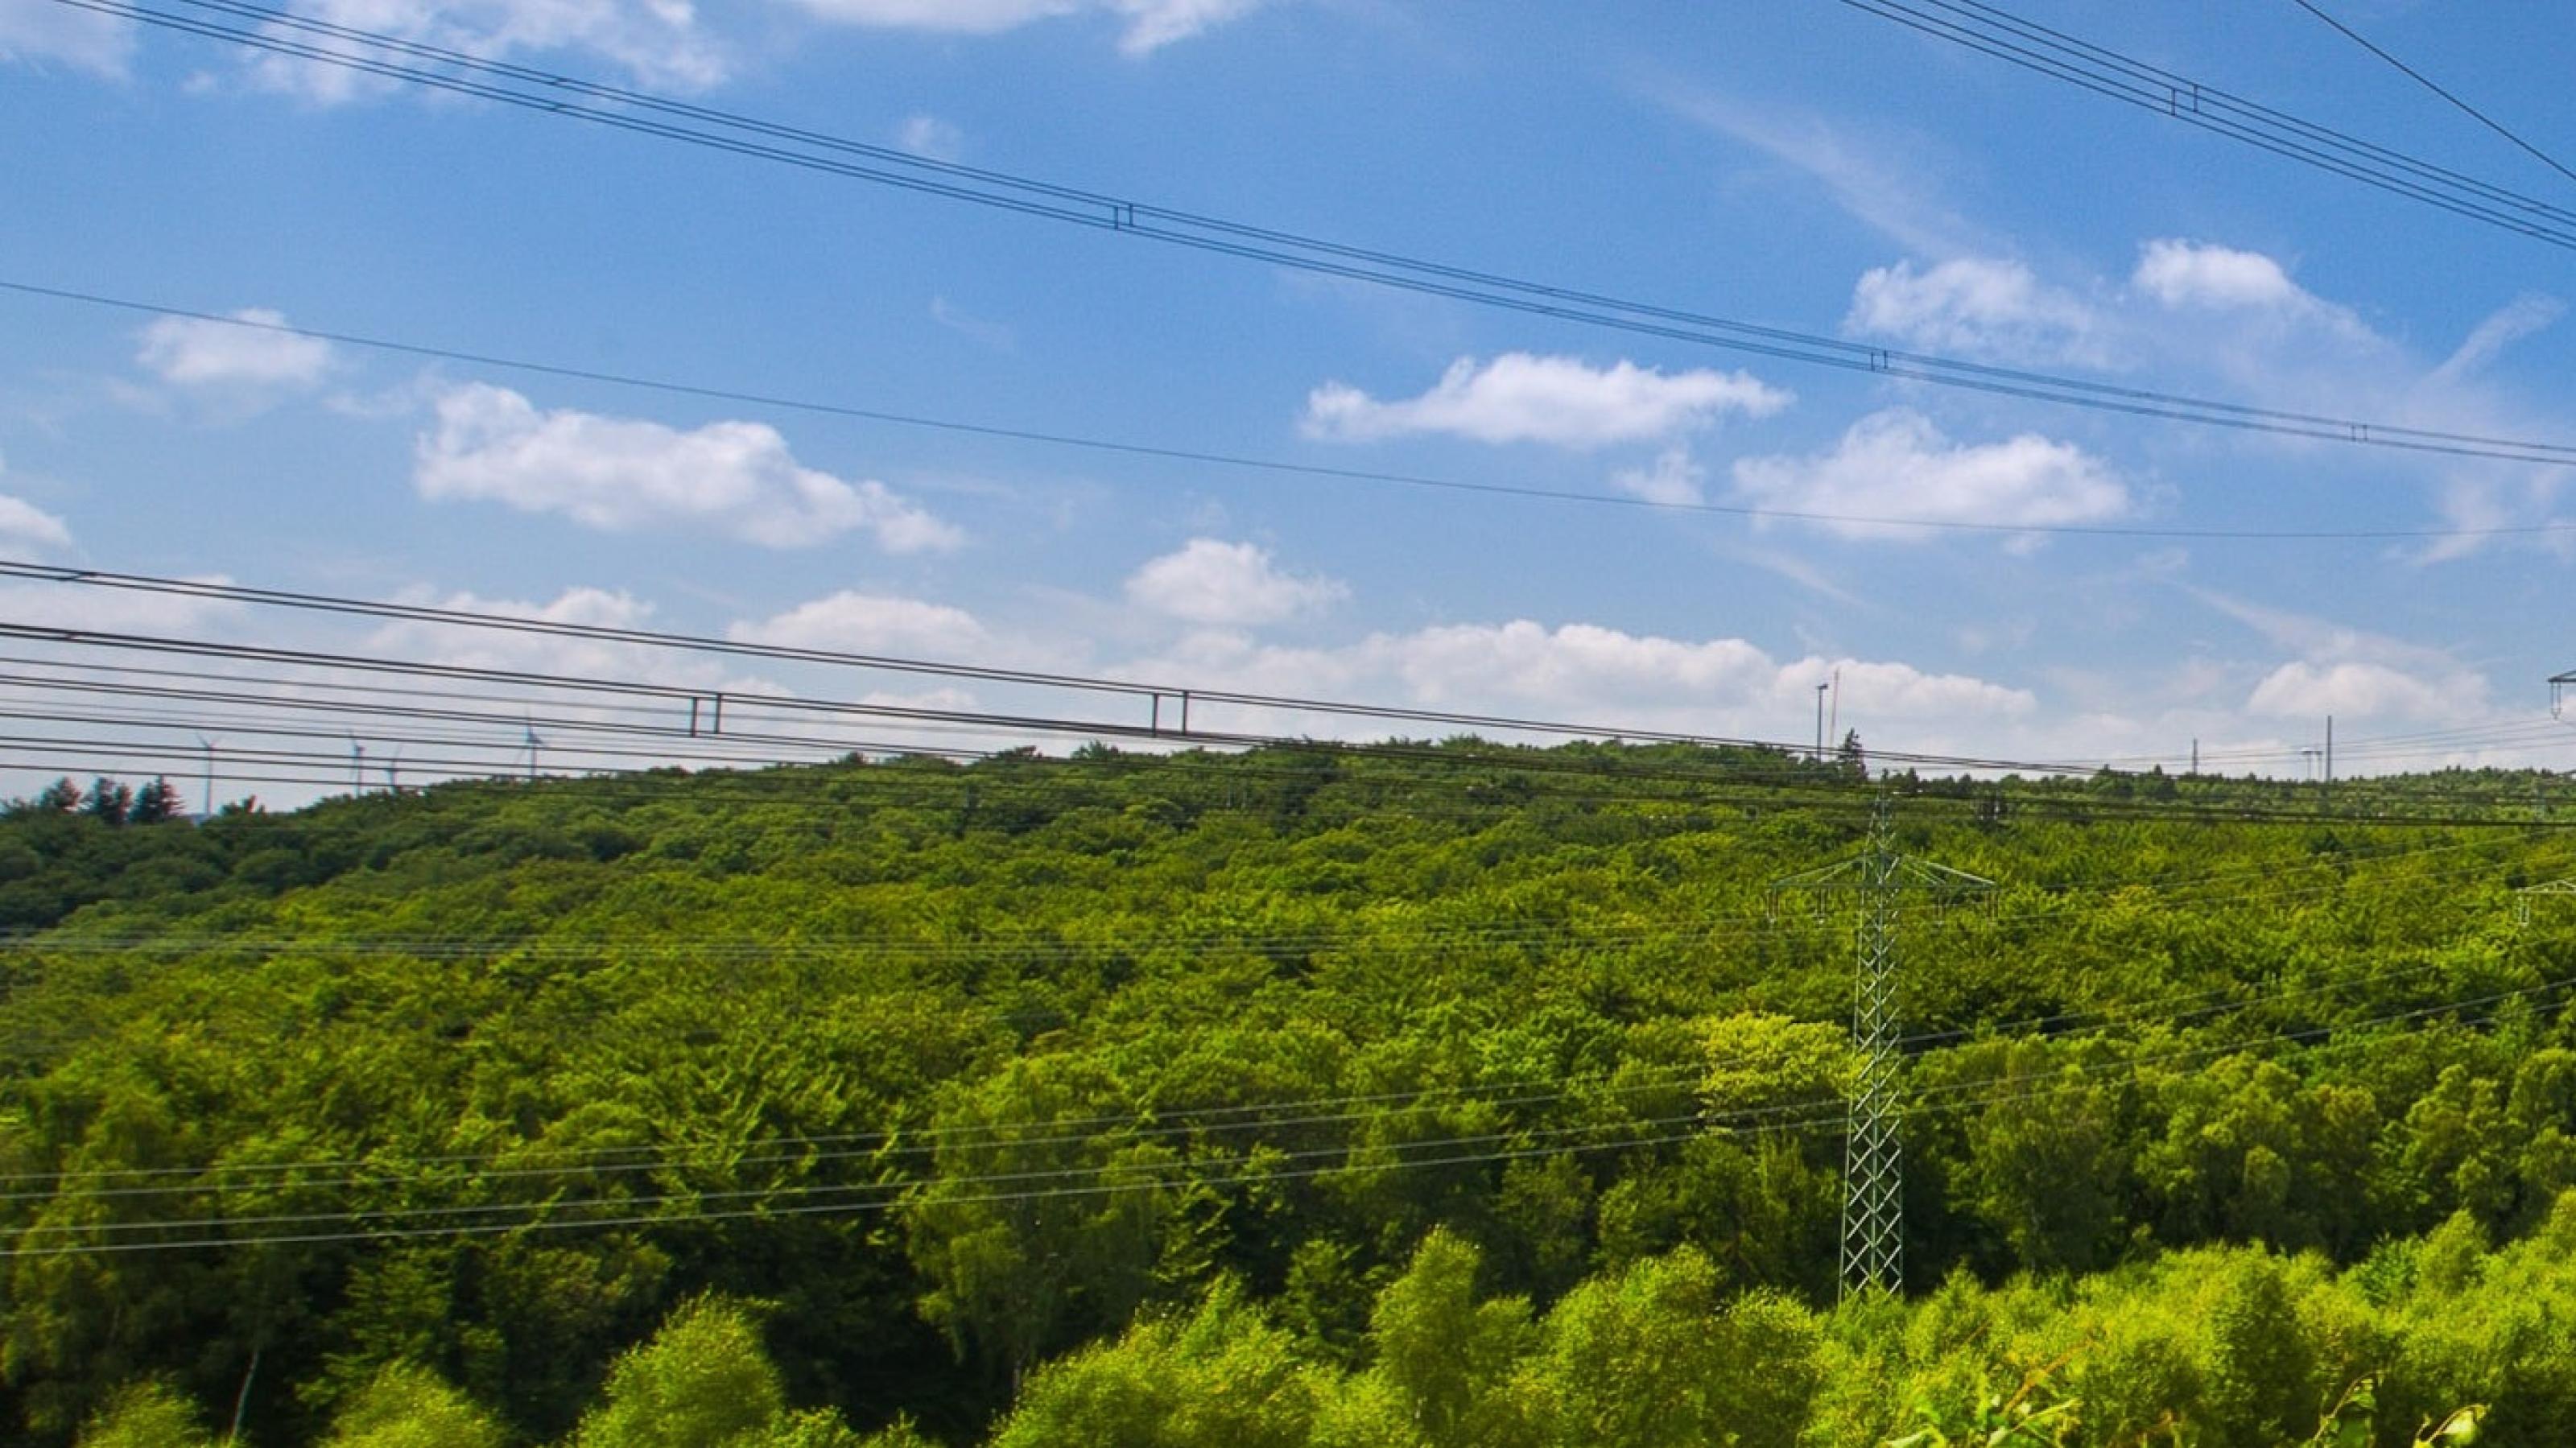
(1873, 1255)
(2522, 897)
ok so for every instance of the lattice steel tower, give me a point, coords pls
(1873, 1255)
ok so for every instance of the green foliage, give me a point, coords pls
(405, 1406)
(702, 1381)
(147, 1415)
(1220, 1377)
(1467, 1097)
(1443, 1357)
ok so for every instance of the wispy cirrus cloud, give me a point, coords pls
(1880, 180)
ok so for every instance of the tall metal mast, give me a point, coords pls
(1873, 1250)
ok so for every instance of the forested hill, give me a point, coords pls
(1416, 1096)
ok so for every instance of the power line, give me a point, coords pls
(1277, 466)
(1163, 700)
(1999, 33)
(1139, 1176)
(564, 96)
(2481, 117)
(1157, 695)
(1149, 1123)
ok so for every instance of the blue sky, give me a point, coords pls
(1803, 165)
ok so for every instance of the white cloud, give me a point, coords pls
(581, 605)
(1151, 24)
(1896, 464)
(195, 352)
(114, 610)
(1723, 686)
(1211, 582)
(620, 475)
(1973, 306)
(980, 330)
(33, 32)
(2515, 320)
(1675, 479)
(2352, 673)
(1518, 397)
(931, 138)
(1878, 180)
(2306, 690)
(657, 43)
(2183, 273)
(853, 622)
(24, 527)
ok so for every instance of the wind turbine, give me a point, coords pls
(357, 766)
(393, 773)
(533, 744)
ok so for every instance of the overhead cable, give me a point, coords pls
(564, 96)
(2436, 87)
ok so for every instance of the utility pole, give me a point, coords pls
(1873, 1248)
(208, 745)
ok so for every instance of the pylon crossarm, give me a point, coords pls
(1851, 874)
(1924, 875)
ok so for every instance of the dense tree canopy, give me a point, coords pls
(1449, 1094)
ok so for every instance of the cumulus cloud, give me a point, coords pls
(1897, 464)
(1991, 308)
(1228, 584)
(2306, 690)
(622, 475)
(1518, 397)
(868, 623)
(2182, 273)
(33, 32)
(2353, 673)
(657, 43)
(196, 352)
(1588, 671)
(1151, 24)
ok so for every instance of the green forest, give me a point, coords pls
(1420, 1095)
